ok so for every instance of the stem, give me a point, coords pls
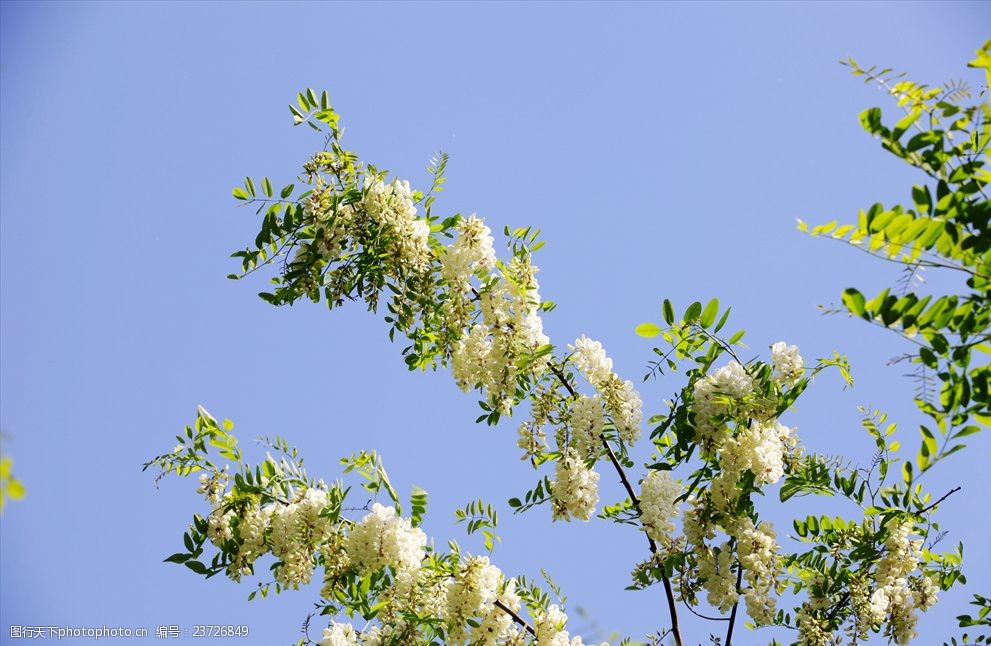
(732, 614)
(668, 592)
(945, 496)
(839, 606)
(516, 617)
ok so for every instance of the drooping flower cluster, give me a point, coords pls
(505, 340)
(297, 530)
(339, 635)
(549, 627)
(718, 578)
(384, 539)
(574, 492)
(898, 594)
(734, 417)
(789, 367)
(621, 399)
(658, 505)
(586, 426)
(716, 396)
(406, 236)
(758, 552)
(471, 253)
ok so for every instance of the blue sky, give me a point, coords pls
(665, 150)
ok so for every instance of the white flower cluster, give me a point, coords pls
(407, 236)
(758, 552)
(219, 525)
(470, 594)
(332, 223)
(812, 629)
(714, 396)
(549, 627)
(470, 254)
(759, 448)
(789, 367)
(339, 635)
(622, 400)
(385, 539)
(897, 594)
(574, 491)
(297, 529)
(532, 438)
(212, 487)
(251, 530)
(510, 331)
(496, 623)
(658, 505)
(718, 578)
(586, 426)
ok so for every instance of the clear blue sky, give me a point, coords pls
(664, 149)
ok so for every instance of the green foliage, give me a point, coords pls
(335, 242)
(945, 227)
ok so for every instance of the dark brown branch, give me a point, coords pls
(700, 615)
(945, 496)
(732, 614)
(563, 379)
(839, 606)
(668, 592)
(516, 617)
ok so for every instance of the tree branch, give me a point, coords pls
(945, 496)
(516, 617)
(668, 592)
(732, 614)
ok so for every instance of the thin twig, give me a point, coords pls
(945, 496)
(732, 614)
(668, 592)
(516, 617)
(839, 606)
(700, 615)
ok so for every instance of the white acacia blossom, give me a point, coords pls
(407, 237)
(894, 593)
(586, 425)
(759, 448)
(718, 578)
(385, 539)
(470, 594)
(789, 367)
(712, 398)
(496, 623)
(658, 505)
(574, 492)
(758, 552)
(296, 530)
(549, 627)
(621, 399)
(472, 252)
(339, 635)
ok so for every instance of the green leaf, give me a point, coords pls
(648, 330)
(239, 193)
(267, 187)
(250, 185)
(197, 567)
(668, 310)
(710, 312)
(853, 300)
(692, 313)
